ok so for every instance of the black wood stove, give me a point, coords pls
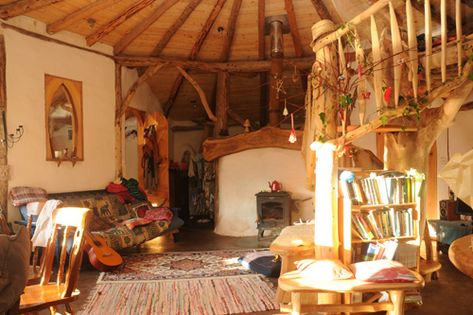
(273, 213)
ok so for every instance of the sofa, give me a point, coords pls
(110, 218)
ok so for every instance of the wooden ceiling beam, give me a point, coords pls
(142, 26)
(175, 26)
(206, 29)
(23, 6)
(322, 11)
(234, 66)
(296, 37)
(203, 98)
(194, 52)
(119, 19)
(131, 92)
(261, 16)
(78, 15)
(231, 27)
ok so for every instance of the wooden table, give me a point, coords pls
(295, 242)
(297, 285)
(460, 254)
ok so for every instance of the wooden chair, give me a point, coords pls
(34, 270)
(4, 228)
(294, 283)
(68, 225)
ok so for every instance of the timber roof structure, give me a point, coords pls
(203, 36)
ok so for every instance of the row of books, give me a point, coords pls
(382, 223)
(377, 250)
(385, 188)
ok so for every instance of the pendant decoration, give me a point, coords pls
(292, 136)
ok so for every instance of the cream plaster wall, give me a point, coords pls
(144, 99)
(242, 175)
(28, 60)
(461, 141)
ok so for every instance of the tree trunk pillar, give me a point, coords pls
(223, 101)
(118, 122)
(3, 146)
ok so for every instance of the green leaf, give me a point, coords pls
(322, 118)
(384, 119)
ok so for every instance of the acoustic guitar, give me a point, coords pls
(101, 256)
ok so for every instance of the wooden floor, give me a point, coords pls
(452, 294)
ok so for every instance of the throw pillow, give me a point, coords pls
(134, 222)
(22, 195)
(382, 271)
(263, 262)
(158, 214)
(323, 269)
(139, 208)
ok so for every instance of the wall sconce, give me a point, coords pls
(12, 138)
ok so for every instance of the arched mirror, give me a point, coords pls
(63, 119)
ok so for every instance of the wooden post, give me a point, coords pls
(118, 121)
(274, 81)
(223, 102)
(3, 146)
(326, 201)
(326, 167)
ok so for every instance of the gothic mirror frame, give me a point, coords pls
(73, 92)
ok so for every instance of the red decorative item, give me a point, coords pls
(387, 94)
(366, 95)
(360, 70)
(292, 136)
(275, 186)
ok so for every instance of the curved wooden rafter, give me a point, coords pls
(201, 93)
(194, 51)
(151, 71)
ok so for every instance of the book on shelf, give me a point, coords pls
(383, 223)
(377, 250)
(384, 188)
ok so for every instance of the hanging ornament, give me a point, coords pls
(360, 70)
(292, 136)
(285, 112)
(387, 94)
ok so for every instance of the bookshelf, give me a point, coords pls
(380, 216)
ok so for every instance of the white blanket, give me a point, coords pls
(44, 224)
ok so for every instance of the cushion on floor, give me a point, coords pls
(263, 262)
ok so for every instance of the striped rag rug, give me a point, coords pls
(215, 292)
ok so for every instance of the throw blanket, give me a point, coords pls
(22, 195)
(44, 224)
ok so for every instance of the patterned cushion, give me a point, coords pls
(382, 271)
(118, 237)
(134, 222)
(138, 209)
(149, 231)
(21, 195)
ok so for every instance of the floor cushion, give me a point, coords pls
(263, 262)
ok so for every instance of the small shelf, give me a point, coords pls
(389, 205)
(358, 241)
